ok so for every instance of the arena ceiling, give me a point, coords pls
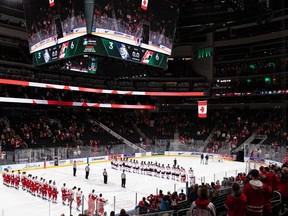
(196, 17)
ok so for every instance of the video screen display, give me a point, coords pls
(99, 46)
(50, 22)
(149, 24)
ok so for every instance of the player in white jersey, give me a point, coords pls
(168, 171)
(158, 170)
(191, 176)
(183, 174)
(137, 167)
(163, 171)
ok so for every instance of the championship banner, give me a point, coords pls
(144, 4)
(202, 109)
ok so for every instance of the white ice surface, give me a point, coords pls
(17, 202)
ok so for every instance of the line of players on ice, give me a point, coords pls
(47, 190)
(174, 172)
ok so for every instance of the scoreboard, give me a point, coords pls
(102, 47)
(136, 31)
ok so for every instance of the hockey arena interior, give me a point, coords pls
(143, 107)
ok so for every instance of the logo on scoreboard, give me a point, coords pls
(147, 56)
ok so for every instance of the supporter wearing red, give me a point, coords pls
(202, 205)
(158, 198)
(271, 179)
(143, 206)
(267, 208)
(152, 200)
(283, 185)
(255, 191)
(236, 202)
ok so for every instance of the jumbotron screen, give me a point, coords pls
(51, 22)
(149, 24)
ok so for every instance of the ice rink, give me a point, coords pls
(17, 202)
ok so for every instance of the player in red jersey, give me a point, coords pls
(100, 205)
(24, 180)
(54, 192)
(17, 180)
(79, 198)
(4, 176)
(12, 179)
(64, 192)
(91, 203)
(44, 190)
(71, 194)
(49, 190)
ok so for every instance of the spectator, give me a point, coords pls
(182, 195)
(143, 206)
(255, 191)
(123, 213)
(164, 204)
(267, 208)
(236, 202)
(174, 201)
(283, 185)
(193, 193)
(202, 205)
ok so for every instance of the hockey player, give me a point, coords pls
(71, 195)
(191, 176)
(64, 192)
(24, 181)
(168, 171)
(158, 168)
(17, 180)
(12, 179)
(54, 192)
(49, 190)
(101, 202)
(79, 195)
(163, 171)
(183, 174)
(91, 203)
(44, 189)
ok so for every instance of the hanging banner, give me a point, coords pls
(202, 109)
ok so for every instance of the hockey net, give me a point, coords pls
(217, 159)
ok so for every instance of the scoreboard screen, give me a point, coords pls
(140, 31)
(149, 24)
(99, 46)
(50, 22)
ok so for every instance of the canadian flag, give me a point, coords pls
(144, 4)
(51, 2)
(202, 109)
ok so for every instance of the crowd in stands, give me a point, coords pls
(248, 68)
(161, 126)
(234, 128)
(226, 129)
